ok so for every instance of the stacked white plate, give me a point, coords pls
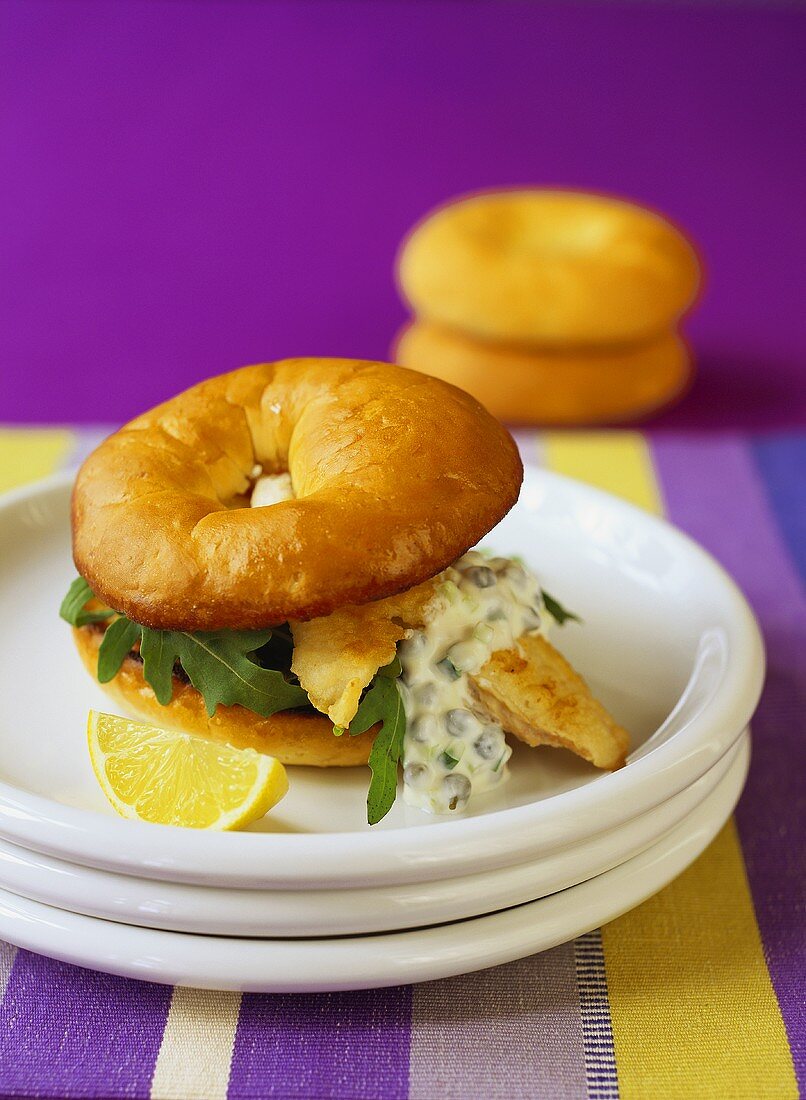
(311, 898)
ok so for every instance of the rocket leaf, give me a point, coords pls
(118, 640)
(72, 609)
(158, 663)
(219, 666)
(557, 611)
(382, 703)
(218, 663)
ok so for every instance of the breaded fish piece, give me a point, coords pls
(335, 657)
(536, 695)
(531, 690)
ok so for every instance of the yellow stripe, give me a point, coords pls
(616, 461)
(28, 454)
(25, 455)
(691, 1002)
(196, 1052)
(693, 1009)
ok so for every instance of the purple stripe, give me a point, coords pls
(324, 1045)
(601, 1074)
(86, 440)
(66, 1031)
(713, 490)
(782, 462)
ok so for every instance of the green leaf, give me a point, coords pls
(159, 655)
(382, 703)
(370, 707)
(78, 594)
(392, 670)
(118, 640)
(218, 666)
(217, 663)
(557, 611)
(72, 609)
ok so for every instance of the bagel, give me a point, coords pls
(395, 476)
(552, 388)
(294, 737)
(549, 267)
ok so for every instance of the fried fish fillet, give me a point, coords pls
(335, 657)
(531, 689)
(536, 695)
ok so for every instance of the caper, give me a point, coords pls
(467, 655)
(515, 574)
(457, 791)
(488, 743)
(448, 669)
(481, 576)
(416, 775)
(426, 696)
(415, 643)
(424, 728)
(461, 722)
(531, 619)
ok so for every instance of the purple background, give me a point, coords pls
(191, 187)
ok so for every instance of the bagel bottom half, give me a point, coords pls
(533, 386)
(294, 737)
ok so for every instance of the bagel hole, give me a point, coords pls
(269, 487)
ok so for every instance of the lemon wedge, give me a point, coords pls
(176, 779)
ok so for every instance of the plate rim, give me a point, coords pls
(426, 954)
(133, 900)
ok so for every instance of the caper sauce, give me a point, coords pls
(451, 750)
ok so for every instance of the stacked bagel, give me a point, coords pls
(551, 307)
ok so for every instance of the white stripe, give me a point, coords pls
(86, 440)
(8, 953)
(196, 1052)
(528, 441)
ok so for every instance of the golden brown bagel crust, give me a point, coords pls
(528, 387)
(549, 267)
(396, 475)
(294, 738)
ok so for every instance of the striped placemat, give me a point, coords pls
(697, 993)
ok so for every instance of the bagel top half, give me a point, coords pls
(546, 267)
(395, 475)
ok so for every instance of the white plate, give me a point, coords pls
(668, 642)
(180, 907)
(359, 962)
